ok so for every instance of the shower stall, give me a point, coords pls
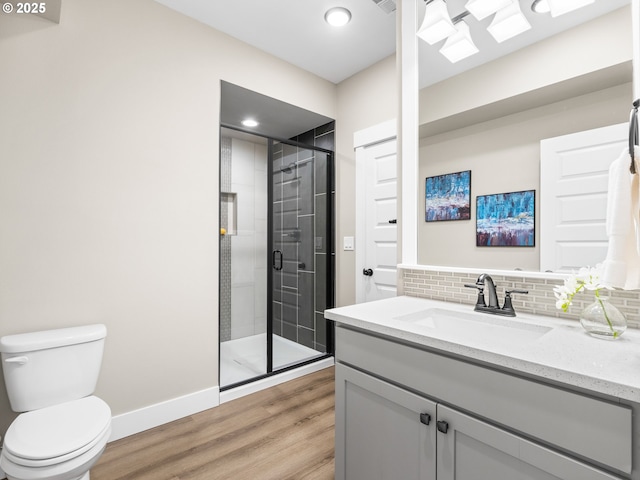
(276, 253)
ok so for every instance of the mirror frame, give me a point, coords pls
(408, 139)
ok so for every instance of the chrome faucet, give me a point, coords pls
(488, 301)
(486, 282)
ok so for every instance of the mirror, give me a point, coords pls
(490, 117)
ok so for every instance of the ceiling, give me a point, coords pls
(295, 31)
(277, 119)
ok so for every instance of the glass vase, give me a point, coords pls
(601, 319)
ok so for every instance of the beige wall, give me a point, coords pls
(366, 99)
(109, 184)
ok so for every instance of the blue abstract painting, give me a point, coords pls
(448, 197)
(506, 219)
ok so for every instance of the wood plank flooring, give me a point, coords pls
(285, 432)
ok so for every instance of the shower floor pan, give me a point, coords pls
(245, 358)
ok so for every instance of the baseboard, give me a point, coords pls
(274, 380)
(158, 414)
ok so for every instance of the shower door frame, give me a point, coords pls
(330, 259)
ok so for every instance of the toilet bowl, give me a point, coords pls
(57, 443)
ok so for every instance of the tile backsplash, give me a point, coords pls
(449, 286)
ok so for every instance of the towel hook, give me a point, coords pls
(633, 134)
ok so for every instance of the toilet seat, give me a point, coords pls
(75, 468)
(56, 434)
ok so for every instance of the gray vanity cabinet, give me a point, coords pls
(407, 413)
(386, 432)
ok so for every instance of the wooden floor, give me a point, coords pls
(284, 432)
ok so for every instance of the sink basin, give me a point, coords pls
(472, 326)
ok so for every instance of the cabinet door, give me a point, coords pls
(382, 432)
(469, 449)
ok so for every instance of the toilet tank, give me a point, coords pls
(51, 367)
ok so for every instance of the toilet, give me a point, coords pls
(50, 376)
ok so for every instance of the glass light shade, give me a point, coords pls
(337, 16)
(560, 7)
(508, 22)
(459, 45)
(483, 8)
(437, 24)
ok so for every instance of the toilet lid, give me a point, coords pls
(58, 430)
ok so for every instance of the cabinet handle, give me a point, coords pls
(442, 426)
(425, 418)
(367, 271)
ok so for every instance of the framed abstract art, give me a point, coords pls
(448, 197)
(506, 219)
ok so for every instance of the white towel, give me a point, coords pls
(622, 265)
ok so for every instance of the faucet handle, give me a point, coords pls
(508, 306)
(509, 292)
(480, 288)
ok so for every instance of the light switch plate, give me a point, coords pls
(348, 243)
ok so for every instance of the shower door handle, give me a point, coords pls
(277, 254)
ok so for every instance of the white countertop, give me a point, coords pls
(566, 353)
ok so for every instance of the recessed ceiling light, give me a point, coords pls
(250, 122)
(337, 16)
(540, 6)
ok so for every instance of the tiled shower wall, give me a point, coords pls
(300, 216)
(225, 244)
(243, 255)
(449, 287)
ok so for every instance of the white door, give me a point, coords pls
(379, 273)
(574, 171)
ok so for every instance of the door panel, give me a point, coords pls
(379, 434)
(380, 218)
(300, 237)
(574, 171)
(474, 450)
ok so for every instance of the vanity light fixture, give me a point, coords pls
(249, 122)
(437, 24)
(459, 45)
(508, 22)
(337, 16)
(481, 9)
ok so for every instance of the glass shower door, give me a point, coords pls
(300, 253)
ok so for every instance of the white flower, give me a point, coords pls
(587, 278)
